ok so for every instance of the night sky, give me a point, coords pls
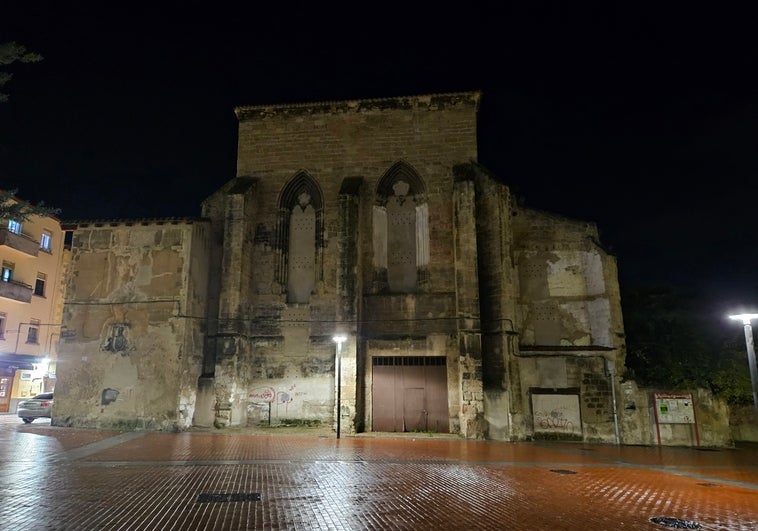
(641, 118)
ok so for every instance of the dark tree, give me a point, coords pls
(674, 341)
(12, 52)
(18, 210)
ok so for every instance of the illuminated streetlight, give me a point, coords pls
(746, 318)
(338, 362)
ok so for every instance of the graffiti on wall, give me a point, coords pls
(553, 420)
(262, 394)
(282, 399)
(556, 413)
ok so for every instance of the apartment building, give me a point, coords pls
(31, 304)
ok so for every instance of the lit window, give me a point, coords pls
(39, 285)
(32, 335)
(14, 226)
(7, 272)
(46, 241)
(3, 318)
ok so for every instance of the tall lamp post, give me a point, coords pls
(746, 318)
(338, 362)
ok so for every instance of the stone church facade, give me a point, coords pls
(370, 220)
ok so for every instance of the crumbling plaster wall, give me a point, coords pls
(568, 285)
(568, 309)
(133, 317)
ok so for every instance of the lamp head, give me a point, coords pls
(339, 339)
(744, 317)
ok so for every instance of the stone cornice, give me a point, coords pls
(101, 223)
(422, 102)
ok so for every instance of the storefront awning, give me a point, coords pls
(18, 361)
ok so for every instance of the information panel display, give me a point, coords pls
(674, 408)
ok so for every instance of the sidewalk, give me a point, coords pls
(61, 478)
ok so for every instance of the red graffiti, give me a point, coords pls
(262, 394)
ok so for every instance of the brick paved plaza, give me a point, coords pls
(59, 478)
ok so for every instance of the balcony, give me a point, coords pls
(20, 242)
(18, 291)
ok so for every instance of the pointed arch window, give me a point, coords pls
(401, 232)
(300, 238)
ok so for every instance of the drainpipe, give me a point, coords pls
(611, 366)
(18, 334)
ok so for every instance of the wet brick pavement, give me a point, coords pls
(60, 479)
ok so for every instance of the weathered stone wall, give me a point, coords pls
(635, 416)
(583, 381)
(134, 317)
(416, 252)
(568, 319)
(714, 423)
(499, 280)
(712, 418)
(275, 349)
(175, 322)
(468, 310)
(335, 141)
(496, 297)
(743, 421)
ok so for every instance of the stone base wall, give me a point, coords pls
(717, 424)
(743, 422)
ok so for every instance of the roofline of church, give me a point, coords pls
(430, 101)
(74, 224)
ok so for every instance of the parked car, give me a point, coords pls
(39, 406)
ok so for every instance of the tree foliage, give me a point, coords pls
(18, 210)
(731, 379)
(12, 52)
(675, 342)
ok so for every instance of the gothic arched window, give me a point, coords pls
(401, 231)
(300, 237)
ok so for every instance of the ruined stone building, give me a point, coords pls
(461, 311)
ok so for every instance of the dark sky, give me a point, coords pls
(642, 118)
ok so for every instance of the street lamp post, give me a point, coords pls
(746, 318)
(338, 362)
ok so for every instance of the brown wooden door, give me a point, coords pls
(409, 394)
(438, 412)
(414, 413)
(383, 410)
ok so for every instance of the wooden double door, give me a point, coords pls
(409, 393)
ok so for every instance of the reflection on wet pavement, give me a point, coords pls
(59, 478)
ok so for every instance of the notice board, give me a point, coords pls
(675, 408)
